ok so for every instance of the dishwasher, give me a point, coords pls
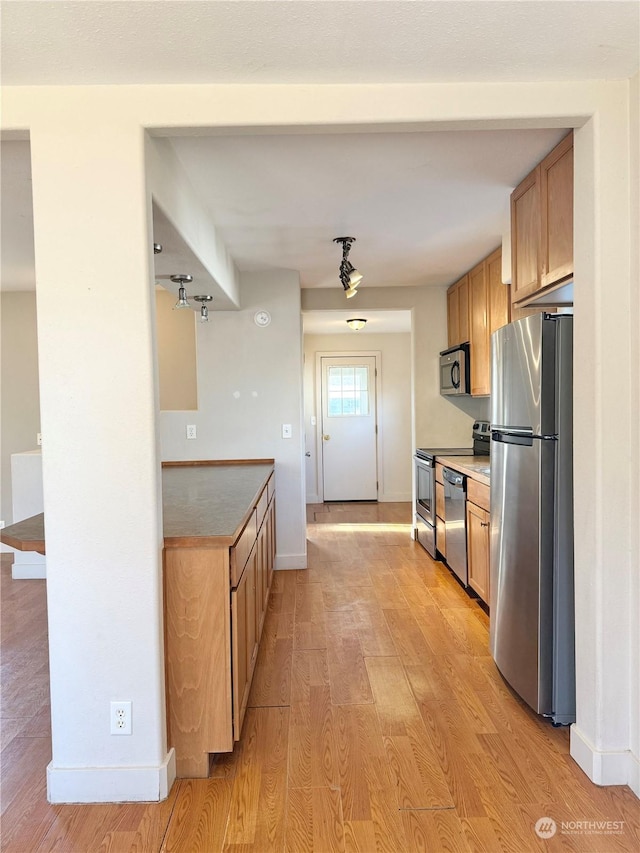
(455, 488)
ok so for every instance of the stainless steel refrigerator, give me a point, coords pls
(532, 600)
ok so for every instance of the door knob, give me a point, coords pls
(308, 453)
(326, 437)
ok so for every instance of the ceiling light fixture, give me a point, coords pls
(182, 279)
(350, 278)
(204, 311)
(357, 323)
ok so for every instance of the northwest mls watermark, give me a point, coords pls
(547, 827)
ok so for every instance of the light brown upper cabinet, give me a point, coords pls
(542, 224)
(479, 343)
(488, 311)
(499, 293)
(458, 312)
(556, 198)
(525, 237)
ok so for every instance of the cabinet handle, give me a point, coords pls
(484, 524)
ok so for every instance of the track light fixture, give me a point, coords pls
(350, 278)
(182, 279)
(204, 311)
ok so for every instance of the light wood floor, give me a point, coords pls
(377, 722)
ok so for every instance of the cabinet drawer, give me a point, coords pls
(239, 554)
(261, 507)
(478, 493)
(439, 477)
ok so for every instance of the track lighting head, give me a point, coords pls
(204, 311)
(350, 278)
(182, 279)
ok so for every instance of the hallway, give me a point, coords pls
(377, 722)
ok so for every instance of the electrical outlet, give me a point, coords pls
(192, 431)
(121, 718)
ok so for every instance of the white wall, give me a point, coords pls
(101, 467)
(604, 377)
(249, 384)
(437, 421)
(180, 203)
(87, 146)
(20, 401)
(395, 408)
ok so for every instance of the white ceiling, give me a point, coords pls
(315, 41)
(335, 322)
(424, 207)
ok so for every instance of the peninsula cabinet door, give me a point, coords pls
(244, 640)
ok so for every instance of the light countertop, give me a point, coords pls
(476, 467)
(201, 500)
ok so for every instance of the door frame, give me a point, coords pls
(377, 354)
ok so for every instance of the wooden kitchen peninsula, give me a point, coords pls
(218, 560)
(219, 552)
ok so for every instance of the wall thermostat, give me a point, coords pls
(262, 318)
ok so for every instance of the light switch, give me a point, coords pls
(313, 420)
(286, 431)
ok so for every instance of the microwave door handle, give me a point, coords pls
(455, 374)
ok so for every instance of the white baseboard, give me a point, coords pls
(291, 561)
(387, 497)
(28, 571)
(603, 768)
(111, 784)
(634, 774)
(395, 497)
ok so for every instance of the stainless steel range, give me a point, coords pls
(425, 481)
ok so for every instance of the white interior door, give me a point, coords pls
(349, 435)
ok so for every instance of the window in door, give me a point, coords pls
(348, 391)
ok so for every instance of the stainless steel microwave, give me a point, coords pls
(454, 370)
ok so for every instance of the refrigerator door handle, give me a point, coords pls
(513, 436)
(519, 435)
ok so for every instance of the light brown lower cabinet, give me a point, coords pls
(244, 639)
(478, 550)
(216, 598)
(441, 536)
